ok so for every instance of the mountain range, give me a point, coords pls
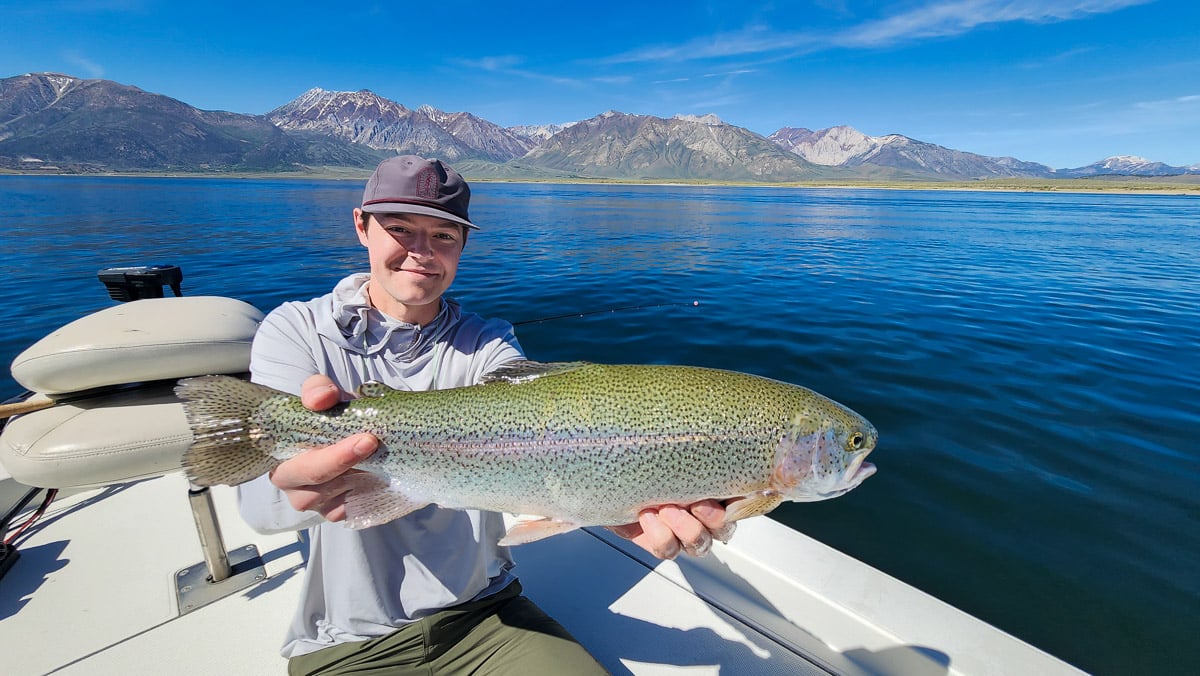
(54, 122)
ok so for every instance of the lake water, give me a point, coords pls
(1030, 360)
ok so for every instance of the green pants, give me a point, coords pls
(503, 634)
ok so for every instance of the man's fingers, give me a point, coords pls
(711, 513)
(328, 498)
(665, 531)
(691, 533)
(657, 538)
(338, 513)
(318, 480)
(320, 465)
(310, 500)
(319, 393)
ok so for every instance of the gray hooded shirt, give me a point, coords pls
(361, 584)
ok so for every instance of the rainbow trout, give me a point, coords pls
(577, 444)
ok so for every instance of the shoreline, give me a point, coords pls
(1125, 185)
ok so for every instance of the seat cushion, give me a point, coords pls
(144, 340)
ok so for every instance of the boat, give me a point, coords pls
(114, 564)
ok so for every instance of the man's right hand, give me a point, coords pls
(316, 480)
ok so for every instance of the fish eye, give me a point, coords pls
(856, 441)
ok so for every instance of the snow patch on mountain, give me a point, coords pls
(536, 133)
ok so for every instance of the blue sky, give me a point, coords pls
(1061, 82)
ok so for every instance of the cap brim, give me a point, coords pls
(405, 208)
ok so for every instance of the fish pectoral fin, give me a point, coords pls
(373, 500)
(535, 529)
(524, 370)
(752, 505)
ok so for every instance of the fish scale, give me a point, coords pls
(575, 443)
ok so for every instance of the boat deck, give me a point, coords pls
(95, 592)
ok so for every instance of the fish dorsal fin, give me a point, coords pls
(373, 389)
(524, 370)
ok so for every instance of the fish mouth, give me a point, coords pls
(853, 478)
(858, 471)
(865, 470)
(855, 475)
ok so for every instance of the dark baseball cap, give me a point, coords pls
(407, 184)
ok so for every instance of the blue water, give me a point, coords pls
(1030, 360)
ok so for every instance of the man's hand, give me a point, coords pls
(667, 530)
(316, 480)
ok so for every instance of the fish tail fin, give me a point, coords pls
(227, 446)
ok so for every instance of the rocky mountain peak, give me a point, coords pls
(366, 118)
(828, 147)
(708, 119)
(1126, 165)
(321, 109)
(536, 133)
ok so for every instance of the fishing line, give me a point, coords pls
(589, 313)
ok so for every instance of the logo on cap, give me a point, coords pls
(427, 184)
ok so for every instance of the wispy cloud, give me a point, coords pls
(89, 67)
(751, 41)
(493, 63)
(512, 65)
(945, 18)
(1179, 103)
(614, 80)
(731, 73)
(1055, 60)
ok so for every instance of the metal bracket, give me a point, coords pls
(194, 587)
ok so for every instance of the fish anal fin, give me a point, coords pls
(532, 530)
(752, 505)
(524, 370)
(373, 500)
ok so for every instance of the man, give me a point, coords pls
(431, 592)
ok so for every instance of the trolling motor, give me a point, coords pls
(143, 281)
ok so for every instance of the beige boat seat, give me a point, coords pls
(132, 433)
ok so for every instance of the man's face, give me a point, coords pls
(413, 261)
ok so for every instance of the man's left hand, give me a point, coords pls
(670, 529)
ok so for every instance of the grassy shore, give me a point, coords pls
(1167, 185)
(1142, 185)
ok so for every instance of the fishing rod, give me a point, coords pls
(32, 402)
(8, 410)
(590, 313)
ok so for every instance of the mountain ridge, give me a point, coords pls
(58, 121)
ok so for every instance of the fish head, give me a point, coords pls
(822, 453)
